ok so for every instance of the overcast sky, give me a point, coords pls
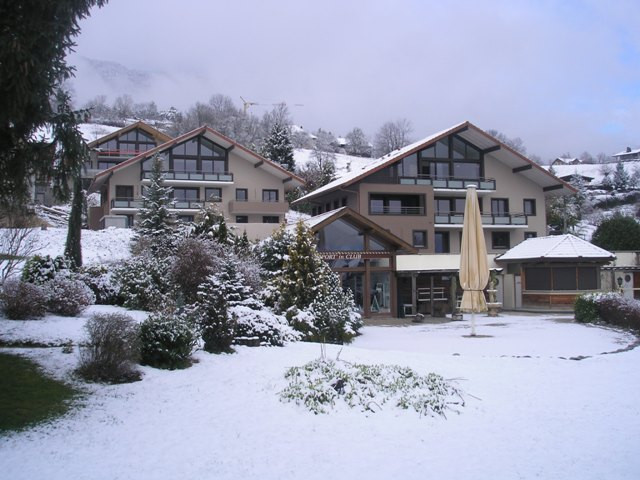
(562, 75)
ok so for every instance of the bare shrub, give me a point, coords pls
(22, 300)
(112, 349)
(67, 296)
(195, 260)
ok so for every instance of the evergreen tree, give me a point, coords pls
(212, 316)
(303, 274)
(278, 148)
(35, 38)
(212, 225)
(156, 220)
(73, 247)
(618, 233)
(274, 251)
(620, 178)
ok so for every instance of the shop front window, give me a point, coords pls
(380, 292)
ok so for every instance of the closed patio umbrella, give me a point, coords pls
(474, 267)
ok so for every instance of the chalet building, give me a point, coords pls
(121, 145)
(417, 194)
(203, 166)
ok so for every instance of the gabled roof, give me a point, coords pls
(216, 137)
(473, 135)
(320, 221)
(559, 247)
(162, 137)
(627, 152)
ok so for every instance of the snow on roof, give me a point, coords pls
(593, 170)
(624, 152)
(388, 158)
(555, 247)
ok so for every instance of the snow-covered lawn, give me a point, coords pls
(530, 413)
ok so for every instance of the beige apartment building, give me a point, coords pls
(203, 167)
(417, 195)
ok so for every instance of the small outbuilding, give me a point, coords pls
(550, 272)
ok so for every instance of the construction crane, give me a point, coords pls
(247, 104)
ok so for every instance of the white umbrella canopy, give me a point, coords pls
(474, 267)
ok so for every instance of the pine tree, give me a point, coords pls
(35, 38)
(212, 315)
(73, 247)
(156, 220)
(620, 178)
(303, 274)
(278, 148)
(212, 225)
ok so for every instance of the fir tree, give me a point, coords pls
(278, 148)
(620, 178)
(35, 38)
(303, 272)
(73, 247)
(212, 225)
(156, 220)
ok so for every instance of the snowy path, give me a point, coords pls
(539, 417)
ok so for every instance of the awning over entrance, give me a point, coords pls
(435, 263)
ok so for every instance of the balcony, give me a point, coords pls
(201, 177)
(266, 208)
(448, 183)
(396, 210)
(135, 204)
(506, 219)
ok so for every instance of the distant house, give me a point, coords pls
(574, 176)
(627, 155)
(203, 167)
(566, 161)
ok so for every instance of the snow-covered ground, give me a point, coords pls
(98, 246)
(344, 163)
(531, 412)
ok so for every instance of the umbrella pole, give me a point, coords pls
(473, 324)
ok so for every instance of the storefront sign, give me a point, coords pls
(353, 255)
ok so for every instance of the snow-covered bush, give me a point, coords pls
(320, 384)
(211, 313)
(102, 282)
(585, 309)
(145, 282)
(112, 349)
(40, 269)
(22, 300)
(609, 307)
(261, 327)
(167, 340)
(333, 314)
(68, 296)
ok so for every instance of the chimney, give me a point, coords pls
(628, 149)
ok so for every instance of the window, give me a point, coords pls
(340, 236)
(198, 155)
(185, 194)
(420, 238)
(185, 218)
(129, 221)
(271, 219)
(124, 192)
(500, 206)
(442, 242)
(568, 278)
(269, 195)
(242, 194)
(242, 219)
(213, 194)
(528, 235)
(500, 240)
(529, 206)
